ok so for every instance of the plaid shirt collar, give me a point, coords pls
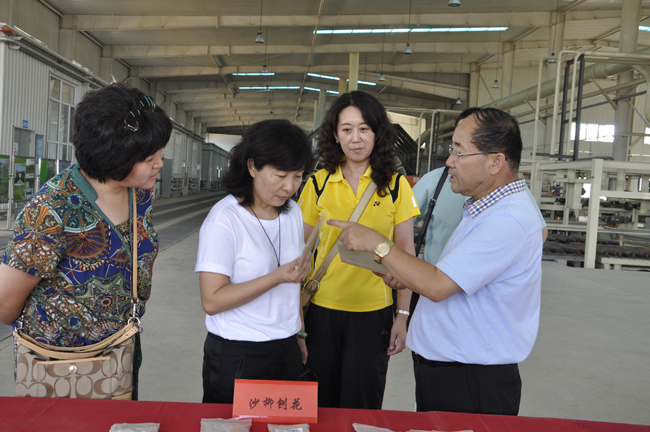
(476, 207)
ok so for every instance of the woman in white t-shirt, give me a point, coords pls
(249, 248)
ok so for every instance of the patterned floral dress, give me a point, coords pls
(84, 261)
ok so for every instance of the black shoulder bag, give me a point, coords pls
(419, 240)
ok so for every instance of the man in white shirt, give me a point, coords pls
(479, 312)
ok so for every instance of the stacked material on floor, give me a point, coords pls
(575, 246)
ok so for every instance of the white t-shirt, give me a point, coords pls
(233, 243)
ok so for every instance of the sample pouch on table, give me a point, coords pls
(358, 427)
(225, 425)
(135, 427)
(304, 427)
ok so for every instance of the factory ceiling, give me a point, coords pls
(196, 50)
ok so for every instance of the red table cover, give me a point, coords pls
(85, 415)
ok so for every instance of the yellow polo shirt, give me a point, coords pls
(346, 287)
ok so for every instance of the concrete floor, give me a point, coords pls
(591, 360)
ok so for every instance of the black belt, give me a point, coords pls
(418, 359)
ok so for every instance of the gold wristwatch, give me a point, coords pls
(382, 250)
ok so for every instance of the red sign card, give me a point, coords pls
(276, 401)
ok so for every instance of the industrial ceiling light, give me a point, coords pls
(554, 60)
(458, 101)
(407, 50)
(265, 69)
(453, 3)
(381, 71)
(269, 104)
(496, 74)
(271, 114)
(260, 38)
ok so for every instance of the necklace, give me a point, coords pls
(278, 256)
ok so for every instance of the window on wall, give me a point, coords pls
(61, 113)
(593, 132)
(646, 139)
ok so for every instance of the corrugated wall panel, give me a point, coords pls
(3, 89)
(26, 94)
(26, 87)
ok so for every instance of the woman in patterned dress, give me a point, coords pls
(65, 277)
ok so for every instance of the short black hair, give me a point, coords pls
(497, 131)
(103, 149)
(382, 158)
(277, 143)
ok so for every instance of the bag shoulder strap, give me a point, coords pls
(432, 204)
(134, 242)
(120, 336)
(74, 353)
(354, 217)
(422, 235)
(319, 190)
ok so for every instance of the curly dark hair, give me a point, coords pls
(382, 158)
(103, 149)
(277, 143)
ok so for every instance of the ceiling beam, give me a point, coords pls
(177, 71)
(176, 51)
(305, 124)
(183, 92)
(156, 22)
(430, 88)
(237, 104)
(200, 115)
(255, 118)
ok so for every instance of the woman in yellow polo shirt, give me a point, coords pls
(351, 324)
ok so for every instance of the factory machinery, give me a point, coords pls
(597, 211)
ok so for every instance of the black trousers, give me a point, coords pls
(468, 388)
(347, 352)
(226, 360)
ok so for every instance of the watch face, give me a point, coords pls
(382, 249)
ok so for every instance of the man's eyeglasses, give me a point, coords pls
(454, 154)
(133, 119)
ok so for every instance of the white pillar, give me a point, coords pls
(508, 68)
(106, 69)
(343, 86)
(66, 43)
(353, 84)
(319, 114)
(556, 35)
(623, 118)
(474, 78)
